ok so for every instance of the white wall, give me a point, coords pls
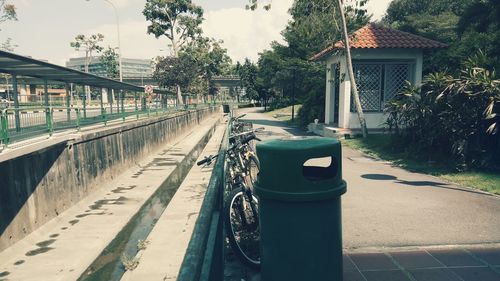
(330, 90)
(348, 119)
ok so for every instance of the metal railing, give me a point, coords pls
(17, 124)
(204, 258)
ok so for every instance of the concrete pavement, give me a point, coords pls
(386, 206)
(63, 248)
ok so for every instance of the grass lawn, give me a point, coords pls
(379, 146)
(285, 114)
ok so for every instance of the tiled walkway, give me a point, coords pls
(424, 265)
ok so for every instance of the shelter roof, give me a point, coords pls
(374, 36)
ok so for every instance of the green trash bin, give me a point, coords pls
(300, 209)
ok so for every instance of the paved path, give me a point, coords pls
(387, 209)
(386, 206)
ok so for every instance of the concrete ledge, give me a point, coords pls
(168, 241)
(40, 181)
(65, 246)
(331, 131)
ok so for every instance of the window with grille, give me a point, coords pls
(379, 82)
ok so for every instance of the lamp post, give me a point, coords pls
(118, 33)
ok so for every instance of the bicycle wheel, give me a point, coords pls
(253, 167)
(242, 227)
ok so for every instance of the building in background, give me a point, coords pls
(383, 60)
(132, 68)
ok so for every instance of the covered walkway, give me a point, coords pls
(68, 98)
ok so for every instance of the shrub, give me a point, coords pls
(313, 107)
(456, 117)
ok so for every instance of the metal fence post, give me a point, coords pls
(111, 94)
(78, 118)
(84, 105)
(68, 100)
(16, 103)
(4, 129)
(122, 97)
(105, 116)
(136, 107)
(101, 100)
(103, 110)
(50, 125)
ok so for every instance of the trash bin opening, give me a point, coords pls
(316, 169)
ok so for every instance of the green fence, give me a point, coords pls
(204, 259)
(17, 124)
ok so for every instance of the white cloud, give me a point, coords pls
(377, 8)
(121, 3)
(124, 3)
(135, 41)
(246, 33)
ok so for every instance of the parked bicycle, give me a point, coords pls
(241, 206)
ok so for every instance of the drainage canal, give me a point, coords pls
(110, 264)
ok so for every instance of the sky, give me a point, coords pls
(45, 28)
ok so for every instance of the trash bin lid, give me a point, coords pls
(300, 168)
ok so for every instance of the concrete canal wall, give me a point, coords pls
(37, 185)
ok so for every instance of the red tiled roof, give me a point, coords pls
(374, 36)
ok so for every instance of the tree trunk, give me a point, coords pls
(354, 87)
(179, 96)
(175, 51)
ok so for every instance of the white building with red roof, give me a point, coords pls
(383, 59)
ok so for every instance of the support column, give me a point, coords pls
(68, 102)
(32, 93)
(122, 99)
(110, 101)
(329, 94)
(143, 102)
(84, 102)
(16, 103)
(46, 102)
(135, 105)
(344, 96)
(45, 94)
(105, 95)
(119, 95)
(101, 99)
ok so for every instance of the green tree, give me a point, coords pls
(7, 12)
(479, 27)
(313, 27)
(9, 47)
(109, 59)
(211, 59)
(248, 77)
(88, 45)
(178, 20)
(176, 72)
(465, 25)
(254, 4)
